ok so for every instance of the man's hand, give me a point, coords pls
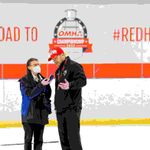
(45, 81)
(64, 86)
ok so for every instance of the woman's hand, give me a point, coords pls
(45, 81)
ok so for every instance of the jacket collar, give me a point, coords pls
(64, 63)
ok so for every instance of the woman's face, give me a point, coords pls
(34, 66)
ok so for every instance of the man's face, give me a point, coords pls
(58, 59)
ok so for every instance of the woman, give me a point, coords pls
(36, 106)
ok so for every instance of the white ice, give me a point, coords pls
(93, 138)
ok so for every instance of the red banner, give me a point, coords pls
(71, 43)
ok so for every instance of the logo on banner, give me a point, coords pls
(71, 32)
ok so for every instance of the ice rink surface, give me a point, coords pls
(93, 138)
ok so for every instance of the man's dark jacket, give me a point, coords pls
(35, 100)
(71, 98)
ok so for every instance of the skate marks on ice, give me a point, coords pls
(17, 144)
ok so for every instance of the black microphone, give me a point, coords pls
(40, 76)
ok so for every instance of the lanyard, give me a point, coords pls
(62, 69)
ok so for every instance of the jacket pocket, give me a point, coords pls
(31, 111)
(62, 99)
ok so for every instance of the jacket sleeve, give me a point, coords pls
(48, 91)
(46, 100)
(30, 91)
(79, 78)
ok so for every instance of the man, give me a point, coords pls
(70, 79)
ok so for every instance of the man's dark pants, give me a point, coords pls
(69, 129)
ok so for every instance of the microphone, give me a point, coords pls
(40, 76)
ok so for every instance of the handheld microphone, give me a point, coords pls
(40, 76)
